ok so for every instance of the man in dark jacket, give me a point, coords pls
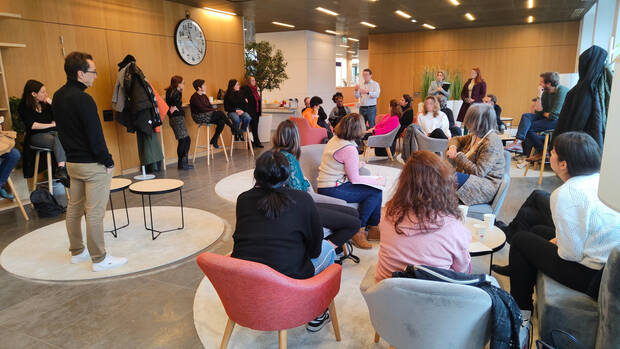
(89, 163)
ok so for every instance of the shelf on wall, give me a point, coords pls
(7, 15)
(11, 45)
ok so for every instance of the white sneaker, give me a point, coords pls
(82, 257)
(109, 262)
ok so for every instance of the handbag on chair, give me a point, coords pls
(7, 141)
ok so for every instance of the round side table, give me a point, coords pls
(494, 240)
(118, 184)
(157, 187)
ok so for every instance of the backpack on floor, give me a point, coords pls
(45, 203)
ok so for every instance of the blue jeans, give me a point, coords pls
(7, 164)
(532, 123)
(461, 178)
(369, 113)
(244, 120)
(369, 200)
(325, 259)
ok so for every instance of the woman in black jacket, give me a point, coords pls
(174, 99)
(250, 91)
(236, 105)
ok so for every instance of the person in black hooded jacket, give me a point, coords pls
(585, 106)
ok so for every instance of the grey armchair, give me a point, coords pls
(478, 211)
(381, 141)
(434, 145)
(410, 313)
(593, 324)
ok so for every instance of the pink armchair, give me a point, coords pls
(309, 135)
(258, 297)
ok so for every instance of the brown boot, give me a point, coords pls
(374, 234)
(359, 240)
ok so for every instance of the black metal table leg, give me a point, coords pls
(114, 231)
(152, 228)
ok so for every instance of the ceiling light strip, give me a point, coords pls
(283, 24)
(332, 32)
(326, 11)
(428, 26)
(470, 17)
(220, 11)
(530, 19)
(370, 25)
(530, 3)
(455, 2)
(403, 14)
(353, 39)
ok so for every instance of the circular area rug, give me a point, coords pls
(44, 253)
(229, 188)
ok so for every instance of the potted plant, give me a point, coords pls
(266, 64)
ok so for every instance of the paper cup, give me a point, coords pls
(211, 99)
(489, 220)
(480, 229)
(463, 209)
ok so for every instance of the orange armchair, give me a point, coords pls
(257, 297)
(308, 134)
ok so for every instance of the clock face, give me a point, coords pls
(190, 42)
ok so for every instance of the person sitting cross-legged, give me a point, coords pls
(585, 229)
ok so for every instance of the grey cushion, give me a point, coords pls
(478, 211)
(434, 145)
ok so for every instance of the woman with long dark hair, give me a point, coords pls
(474, 90)
(236, 105)
(422, 221)
(342, 220)
(280, 227)
(35, 110)
(407, 117)
(174, 99)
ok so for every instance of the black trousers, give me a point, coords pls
(343, 221)
(529, 253)
(254, 128)
(535, 212)
(324, 124)
(456, 131)
(183, 147)
(438, 133)
(219, 119)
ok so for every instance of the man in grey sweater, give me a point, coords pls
(367, 93)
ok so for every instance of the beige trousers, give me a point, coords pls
(90, 190)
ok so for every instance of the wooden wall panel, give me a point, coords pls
(510, 58)
(109, 30)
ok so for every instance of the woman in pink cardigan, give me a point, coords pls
(422, 223)
(388, 123)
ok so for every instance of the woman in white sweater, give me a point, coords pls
(586, 229)
(433, 122)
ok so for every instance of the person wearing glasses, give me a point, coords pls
(89, 163)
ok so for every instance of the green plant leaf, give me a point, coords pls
(267, 67)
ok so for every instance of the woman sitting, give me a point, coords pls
(280, 227)
(433, 122)
(339, 177)
(422, 224)
(314, 117)
(343, 221)
(236, 105)
(339, 111)
(407, 117)
(35, 110)
(586, 229)
(478, 157)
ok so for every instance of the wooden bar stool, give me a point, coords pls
(50, 179)
(544, 156)
(247, 141)
(210, 150)
(9, 182)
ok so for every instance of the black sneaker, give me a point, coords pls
(63, 176)
(215, 146)
(505, 270)
(318, 323)
(258, 145)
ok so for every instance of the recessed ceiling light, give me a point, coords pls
(530, 3)
(368, 24)
(339, 54)
(347, 46)
(428, 26)
(324, 10)
(413, 20)
(455, 2)
(220, 11)
(351, 51)
(403, 14)
(284, 24)
(332, 32)
(530, 19)
(353, 39)
(470, 16)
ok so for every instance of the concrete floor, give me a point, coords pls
(152, 310)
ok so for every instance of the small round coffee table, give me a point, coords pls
(118, 184)
(157, 187)
(493, 241)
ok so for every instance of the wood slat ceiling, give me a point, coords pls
(439, 13)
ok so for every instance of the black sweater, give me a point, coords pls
(29, 116)
(78, 125)
(285, 244)
(234, 101)
(174, 98)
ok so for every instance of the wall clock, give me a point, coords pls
(190, 41)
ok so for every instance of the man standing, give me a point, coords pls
(546, 112)
(89, 163)
(368, 94)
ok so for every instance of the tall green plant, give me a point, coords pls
(267, 67)
(455, 77)
(457, 84)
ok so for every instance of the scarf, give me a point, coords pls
(254, 90)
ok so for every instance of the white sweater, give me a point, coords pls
(428, 123)
(587, 230)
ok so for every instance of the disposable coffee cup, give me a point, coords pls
(463, 209)
(489, 220)
(480, 229)
(211, 99)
